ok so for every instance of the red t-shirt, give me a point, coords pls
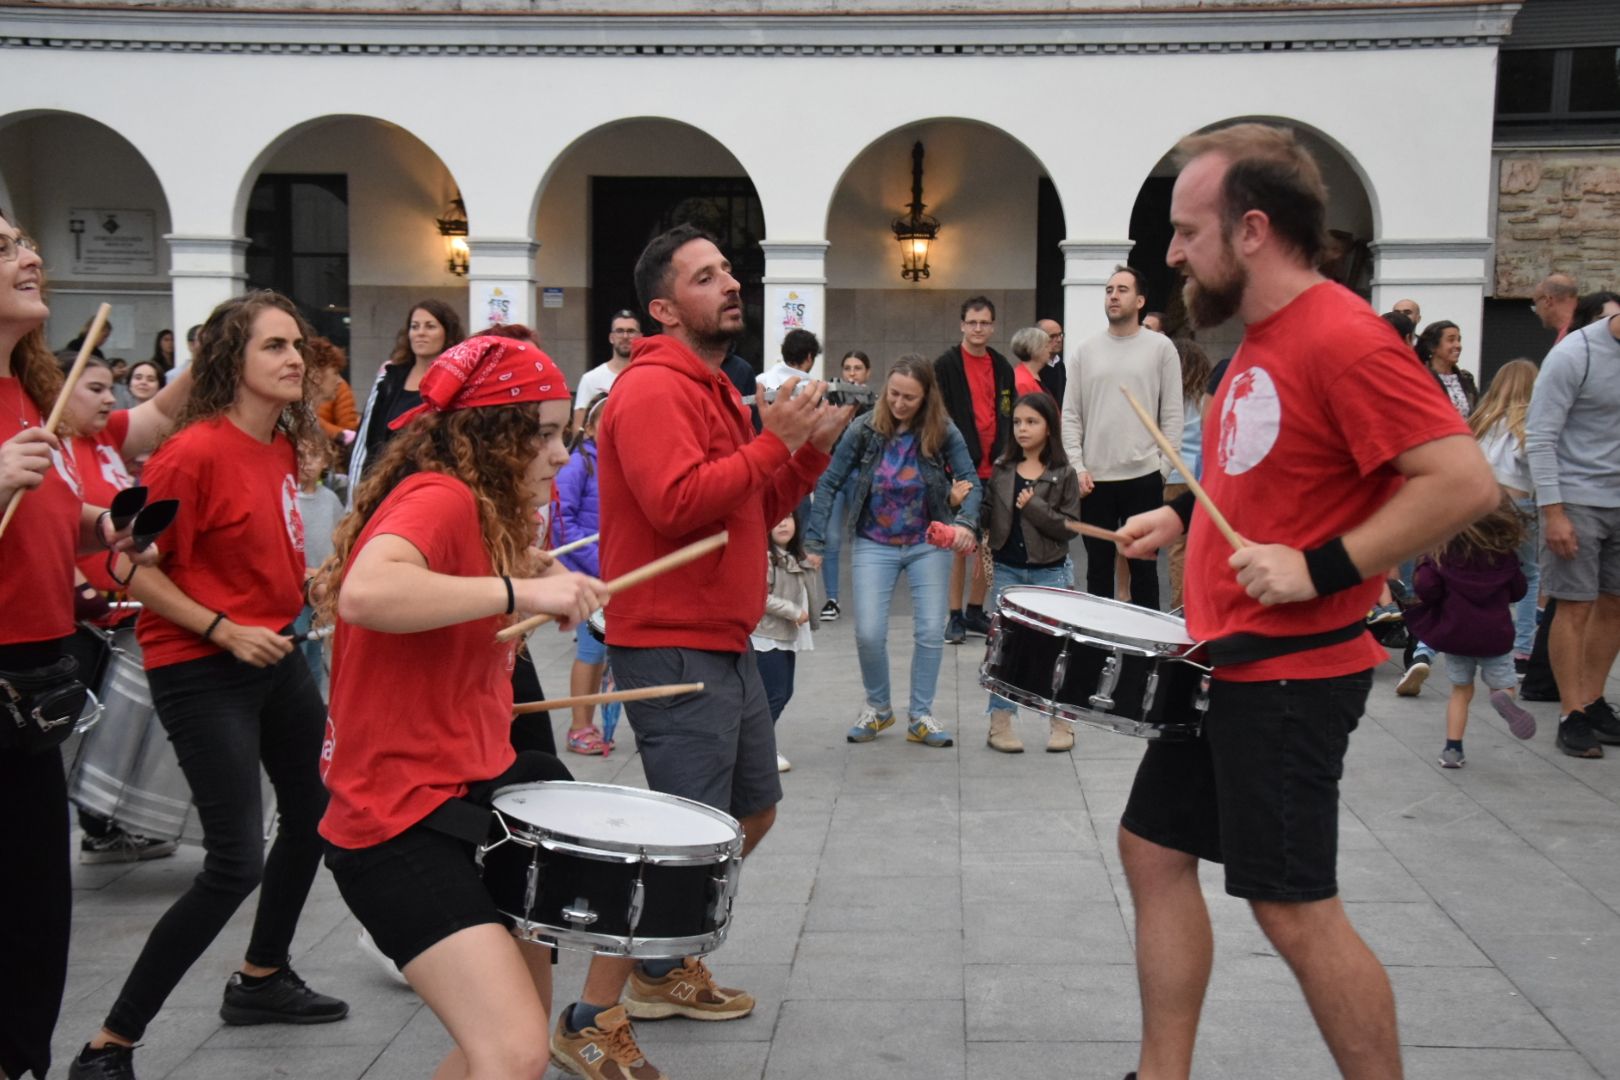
(1025, 383)
(1320, 399)
(237, 543)
(37, 550)
(416, 717)
(981, 380)
(102, 474)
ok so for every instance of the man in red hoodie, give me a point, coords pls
(678, 460)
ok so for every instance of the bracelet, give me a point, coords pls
(208, 634)
(1183, 506)
(511, 596)
(1331, 569)
(101, 534)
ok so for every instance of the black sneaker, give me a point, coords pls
(1575, 736)
(829, 611)
(1605, 725)
(121, 846)
(1521, 664)
(976, 623)
(110, 1063)
(955, 631)
(283, 999)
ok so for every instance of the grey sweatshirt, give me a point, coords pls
(1101, 433)
(1572, 435)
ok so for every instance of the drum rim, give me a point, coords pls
(1111, 722)
(720, 851)
(1149, 647)
(640, 948)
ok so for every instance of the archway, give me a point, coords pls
(94, 204)
(605, 196)
(1001, 221)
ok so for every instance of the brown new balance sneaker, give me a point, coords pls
(687, 991)
(604, 1051)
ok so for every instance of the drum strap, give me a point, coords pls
(468, 818)
(1247, 648)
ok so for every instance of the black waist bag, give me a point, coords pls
(38, 708)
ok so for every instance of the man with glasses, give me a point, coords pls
(1554, 300)
(1054, 374)
(976, 385)
(623, 332)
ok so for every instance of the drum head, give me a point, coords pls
(598, 623)
(617, 817)
(1095, 616)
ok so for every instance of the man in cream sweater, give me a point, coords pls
(1121, 470)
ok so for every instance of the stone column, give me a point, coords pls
(207, 270)
(500, 281)
(795, 294)
(1087, 266)
(1445, 277)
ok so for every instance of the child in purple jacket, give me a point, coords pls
(579, 516)
(1465, 594)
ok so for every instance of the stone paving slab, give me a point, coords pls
(956, 914)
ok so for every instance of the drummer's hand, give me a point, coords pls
(25, 459)
(568, 596)
(963, 539)
(251, 644)
(544, 561)
(1149, 532)
(1273, 573)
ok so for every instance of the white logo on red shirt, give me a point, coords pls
(328, 747)
(289, 512)
(112, 468)
(1251, 417)
(69, 473)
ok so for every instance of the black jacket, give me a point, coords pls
(953, 389)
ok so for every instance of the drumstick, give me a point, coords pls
(1095, 533)
(68, 384)
(1174, 458)
(574, 545)
(667, 690)
(634, 577)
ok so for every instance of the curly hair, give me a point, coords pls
(487, 449)
(321, 355)
(221, 351)
(32, 361)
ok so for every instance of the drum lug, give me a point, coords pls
(638, 898)
(1104, 697)
(1150, 691)
(996, 643)
(1201, 702)
(579, 913)
(531, 884)
(1060, 671)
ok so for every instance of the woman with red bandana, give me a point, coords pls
(436, 557)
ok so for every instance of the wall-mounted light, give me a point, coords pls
(453, 227)
(916, 230)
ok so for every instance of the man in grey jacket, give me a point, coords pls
(1574, 449)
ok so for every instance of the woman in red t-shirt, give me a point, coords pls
(229, 687)
(437, 557)
(1031, 347)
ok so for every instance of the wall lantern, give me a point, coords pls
(453, 227)
(916, 230)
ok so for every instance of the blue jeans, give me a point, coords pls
(834, 542)
(874, 569)
(1055, 577)
(1524, 612)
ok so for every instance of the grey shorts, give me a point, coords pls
(1596, 565)
(717, 747)
(1497, 671)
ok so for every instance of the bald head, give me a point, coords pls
(1054, 331)
(1555, 299)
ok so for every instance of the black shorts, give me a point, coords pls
(1259, 789)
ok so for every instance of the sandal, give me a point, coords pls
(587, 741)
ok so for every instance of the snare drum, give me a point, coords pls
(597, 625)
(1100, 662)
(612, 870)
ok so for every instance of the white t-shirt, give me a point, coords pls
(776, 376)
(598, 380)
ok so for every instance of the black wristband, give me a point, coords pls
(511, 595)
(1183, 506)
(1331, 569)
(208, 634)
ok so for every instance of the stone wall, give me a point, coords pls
(1558, 210)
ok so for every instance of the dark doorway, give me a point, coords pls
(298, 245)
(1150, 228)
(626, 212)
(1050, 230)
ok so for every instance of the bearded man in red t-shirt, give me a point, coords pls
(1334, 455)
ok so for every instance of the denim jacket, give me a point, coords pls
(856, 459)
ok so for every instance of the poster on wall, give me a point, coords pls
(113, 243)
(796, 314)
(491, 305)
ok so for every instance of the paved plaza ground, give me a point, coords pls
(958, 913)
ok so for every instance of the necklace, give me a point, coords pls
(17, 409)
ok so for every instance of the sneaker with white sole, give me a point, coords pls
(868, 724)
(926, 730)
(829, 611)
(120, 846)
(605, 1050)
(1451, 757)
(1411, 683)
(687, 991)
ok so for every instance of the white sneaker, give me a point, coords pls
(369, 948)
(783, 764)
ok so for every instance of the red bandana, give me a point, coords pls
(484, 371)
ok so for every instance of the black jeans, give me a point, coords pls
(38, 902)
(225, 717)
(1108, 505)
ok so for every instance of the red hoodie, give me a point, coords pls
(677, 461)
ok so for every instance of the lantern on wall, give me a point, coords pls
(915, 230)
(453, 227)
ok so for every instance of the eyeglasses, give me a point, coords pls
(13, 246)
(629, 333)
(1535, 301)
(972, 325)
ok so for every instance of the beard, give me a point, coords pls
(1211, 303)
(621, 351)
(711, 332)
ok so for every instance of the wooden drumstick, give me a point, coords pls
(575, 545)
(634, 577)
(66, 392)
(666, 690)
(1174, 458)
(1097, 534)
